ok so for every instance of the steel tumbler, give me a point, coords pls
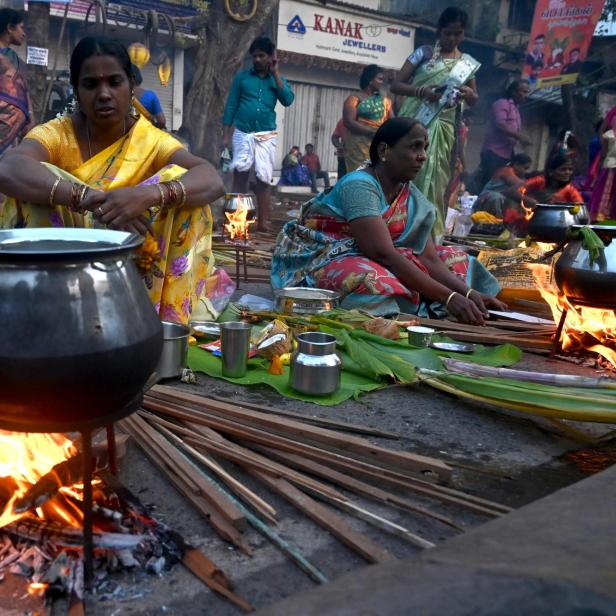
(235, 345)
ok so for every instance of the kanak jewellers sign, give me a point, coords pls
(314, 30)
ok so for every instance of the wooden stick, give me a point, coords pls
(347, 443)
(375, 520)
(187, 488)
(285, 547)
(244, 457)
(323, 422)
(350, 464)
(266, 510)
(326, 518)
(224, 507)
(354, 485)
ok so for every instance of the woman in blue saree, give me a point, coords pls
(370, 238)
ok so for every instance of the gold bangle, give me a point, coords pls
(468, 293)
(82, 195)
(52, 192)
(449, 298)
(183, 199)
(154, 209)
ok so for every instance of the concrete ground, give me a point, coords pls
(517, 461)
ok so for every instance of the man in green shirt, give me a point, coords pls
(250, 109)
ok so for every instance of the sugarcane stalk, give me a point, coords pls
(559, 380)
(594, 416)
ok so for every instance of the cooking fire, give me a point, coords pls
(41, 495)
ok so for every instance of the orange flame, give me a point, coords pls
(37, 589)
(592, 329)
(238, 224)
(26, 458)
(528, 212)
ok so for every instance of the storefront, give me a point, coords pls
(122, 27)
(322, 53)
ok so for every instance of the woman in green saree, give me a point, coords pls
(363, 113)
(422, 79)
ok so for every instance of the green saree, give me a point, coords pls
(435, 175)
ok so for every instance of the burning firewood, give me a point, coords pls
(62, 474)
(59, 534)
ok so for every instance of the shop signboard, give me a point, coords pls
(315, 30)
(560, 36)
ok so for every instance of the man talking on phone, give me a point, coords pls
(250, 109)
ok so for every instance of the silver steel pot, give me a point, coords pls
(79, 335)
(550, 222)
(315, 367)
(175, 347)
(303, 300)
(240, 201)
(583, 283)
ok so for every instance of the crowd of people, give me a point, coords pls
(373, 236)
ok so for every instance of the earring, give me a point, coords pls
(132, 111)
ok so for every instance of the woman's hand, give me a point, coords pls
(122, 208)
(468, 94)
(485, 302)
(466, 310)
(431, 95)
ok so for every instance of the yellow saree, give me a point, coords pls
(179, 258)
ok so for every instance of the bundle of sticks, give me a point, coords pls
(527, 336)
(306, 460)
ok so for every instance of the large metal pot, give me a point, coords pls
(79, 335)
(305, 300)
(550, 222)
(583, 283)
(235, 202)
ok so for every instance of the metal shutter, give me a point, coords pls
(312, 118)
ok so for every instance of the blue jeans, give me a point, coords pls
(314, 176)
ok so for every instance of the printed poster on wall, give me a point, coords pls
(314, 30)
(559, 40)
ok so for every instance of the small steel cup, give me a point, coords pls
(235, 345)
(420, 336)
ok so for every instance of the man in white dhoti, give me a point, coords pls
(250, 109)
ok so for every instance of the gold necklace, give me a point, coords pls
(378, 177)
(88, 136)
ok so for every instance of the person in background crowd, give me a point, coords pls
(101, 166)
(363, 113)
(294, 172)
(554, 185)
(566, 144)
(16, 115)
(311, 160)
(149, 100)
(250, 109)
(493, 200)
(536, 57)
(370, 238)
(504, 130)
(338, 142)
(603, 199)
(422, 77)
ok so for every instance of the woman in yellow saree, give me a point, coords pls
(102, 166)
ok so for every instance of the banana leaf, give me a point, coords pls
(351, 385)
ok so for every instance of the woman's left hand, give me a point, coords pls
(117, 208)
(486, 302)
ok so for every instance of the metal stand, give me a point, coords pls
(88, 548)
(111, 450)
(559, 330)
